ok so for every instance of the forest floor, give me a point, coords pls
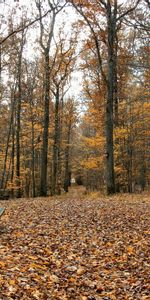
(76, 246)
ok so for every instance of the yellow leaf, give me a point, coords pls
(80, 271)
(12, 282)
(109, 244)
(130, 250)
(48, 252)
(72, 280)
(19, 234)
(83, 298)
(2, 264)
(33, 257)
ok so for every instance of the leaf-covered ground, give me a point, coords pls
(75, 247)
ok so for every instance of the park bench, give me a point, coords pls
(1, 210)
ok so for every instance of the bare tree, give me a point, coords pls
(45, 42)
(63, 64)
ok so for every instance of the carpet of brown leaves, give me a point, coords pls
(75, 247)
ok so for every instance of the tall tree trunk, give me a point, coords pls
(18, 116)
(33, 151)
(111, 21)
(0, 65)
(18, 112)
(56, 150)
(116, 104)
(129, 167)
(7, 144)
(13, 158)
(45, 45)
(33, 163)
(67, 154)
(43, 179)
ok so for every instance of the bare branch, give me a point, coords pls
(103, 3)
(23, 27)
(95, 39)
(129, 10)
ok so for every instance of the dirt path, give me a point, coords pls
(75, 247)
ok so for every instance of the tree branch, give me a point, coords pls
(24, 27)
(129, 10)
(95, 40)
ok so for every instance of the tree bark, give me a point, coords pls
(7, 143)
(18, 116)
(32, 147)
(43, 180)
(46, 48)
(56, 148)
(111, 25)
(67, 155)
(13, 158)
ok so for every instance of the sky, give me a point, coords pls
(31, 48)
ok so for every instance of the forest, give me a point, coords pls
(74, 150)
(74, 96)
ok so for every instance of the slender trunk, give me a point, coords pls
(7, 175)
(67, 154)
(56, 149)
(0, 65)
(11, 162)
(59, 167)
(33, 154)
(12, 159)
(142, 160)
(58, 178)
(46, 49)
(129, 169)
(143, 175)
(18, 117)
(44, 154)
(109, 105)
(7, 146)
(116, 108)
(33, 164)
(18, 127)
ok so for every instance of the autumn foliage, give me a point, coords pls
(48, 134)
